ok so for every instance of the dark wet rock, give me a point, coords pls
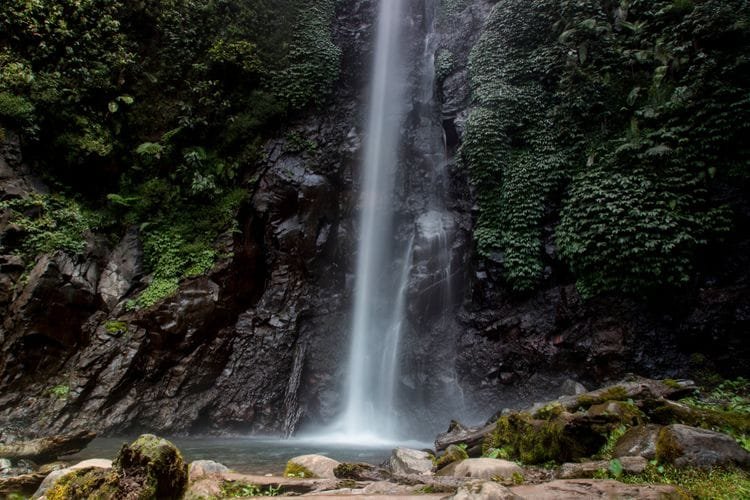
(686, 446)
(405, 461)
(47, 448)
(574, 489)
(582, 470)
(638, 441)
(124, 265)
(458, 433)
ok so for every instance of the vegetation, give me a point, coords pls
(232, 489)
(713, 483)
(610, 131)
(153, 114)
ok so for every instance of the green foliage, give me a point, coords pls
(116, 327)
(609, 447)
(60, 391)
(182, 245)
(632, 116)
(293, 469)
(716, 483)
(233, 489)
(445, 64)
(49, 223)
(313, 58)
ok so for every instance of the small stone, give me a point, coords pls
(638, 441)
(202, 468)
(572, 388)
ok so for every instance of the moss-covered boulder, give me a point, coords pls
(154, 466)
(93, 483)
(453, 453)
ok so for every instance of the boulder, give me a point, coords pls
(686, 446)
(360, 472)
(458, 433)
(153, 466)
(203, 468)
(311, 466)
(53, 476)
(638, 441)
(483, 468)
(406, 461)
(576, 489)
(630, 465)
(47, 448)
(486, 490)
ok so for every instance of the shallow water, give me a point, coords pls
(249, 455)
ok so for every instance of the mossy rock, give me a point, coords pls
(156, 465)
(624, 412)
(93, 483)
(452, 454)
(296, 470)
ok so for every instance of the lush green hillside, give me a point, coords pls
(151, 112)
(610, 128)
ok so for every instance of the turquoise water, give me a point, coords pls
(247, 455)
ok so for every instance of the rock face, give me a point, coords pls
(686, 446)
(405, 461)
(256, 344)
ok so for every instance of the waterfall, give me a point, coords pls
(377, 314)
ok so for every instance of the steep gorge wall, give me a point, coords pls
(258, 344)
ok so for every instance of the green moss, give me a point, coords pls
(232, 489)
(60, 391)
(454, 453)
(531, 441)
(116, 327)
(94, 483)
(158, 465)
(607, 450)
(296, 470)
(549, 411)
(616, 393)
(671, 383)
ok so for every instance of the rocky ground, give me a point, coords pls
(635, 439)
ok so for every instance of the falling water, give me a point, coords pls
(373, 361)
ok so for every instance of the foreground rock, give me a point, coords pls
(484, 468)
(405, 461)
(630, 465)
(361, 472)
(53, 476)
(591, 488)
(47, 448)
(638, 441)
(487, 490)
(311, 466)
(686, 446)
(150, 467)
